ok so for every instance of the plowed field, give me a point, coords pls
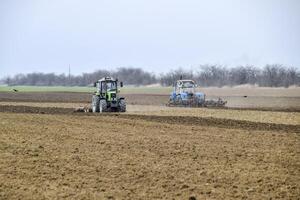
(48, 151)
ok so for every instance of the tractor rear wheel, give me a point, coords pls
(122, 105)
(95, 103)
(103, 105)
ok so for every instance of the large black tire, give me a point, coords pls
(122, 105)
(103, 106)
(95, 103)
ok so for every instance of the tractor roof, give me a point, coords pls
(186, 81)
(186, 84)
(107, 79)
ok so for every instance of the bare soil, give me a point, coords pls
(254, 115)
(48, 151)
(271, 102)
(187, 118)
(111, 157)
(141, 99)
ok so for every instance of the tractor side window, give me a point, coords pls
(104, 86)
(98, 86)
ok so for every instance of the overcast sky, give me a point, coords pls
(156, 35)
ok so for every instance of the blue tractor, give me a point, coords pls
(184, 94)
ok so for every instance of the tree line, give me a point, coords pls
(218, 76)
(204, 75)
(129, 76)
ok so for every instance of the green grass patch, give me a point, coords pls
(45, 89)
(124, 90)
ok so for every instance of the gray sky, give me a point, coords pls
(156, 35)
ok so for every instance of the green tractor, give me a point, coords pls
(106, 98)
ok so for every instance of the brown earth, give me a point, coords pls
(141, 99)
(253, 115)
(132, 157)
(48, 151)
(289, 103)
(169, 119)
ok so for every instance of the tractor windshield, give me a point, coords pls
(189, 90)
(108, 86)
(188, 84)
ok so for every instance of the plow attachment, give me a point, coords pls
(195, 103)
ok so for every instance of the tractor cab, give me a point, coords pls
(107, 88)
(185, 86)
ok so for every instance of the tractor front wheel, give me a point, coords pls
(103, 105)
(95, 103)
(122, 105)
